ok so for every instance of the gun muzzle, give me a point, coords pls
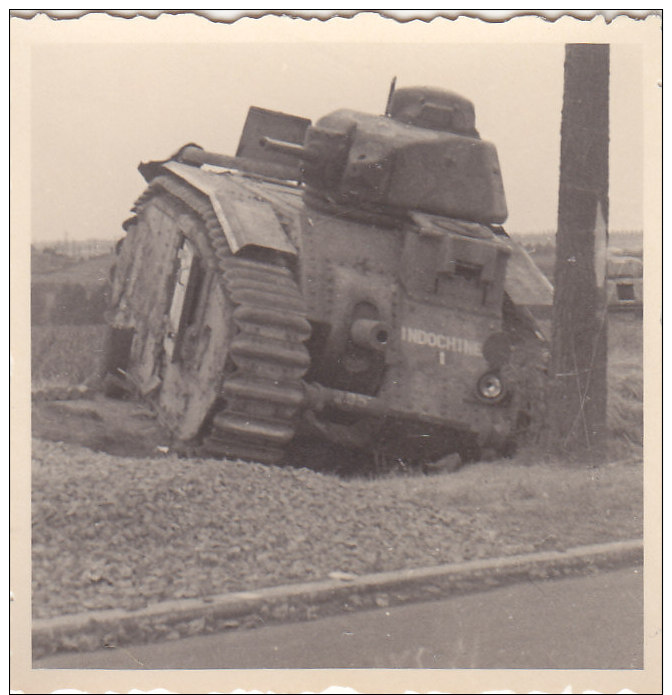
(370, 334)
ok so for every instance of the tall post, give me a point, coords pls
(577, 406)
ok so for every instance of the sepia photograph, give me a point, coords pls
(336, 353)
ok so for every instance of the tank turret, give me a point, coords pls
(425, 155)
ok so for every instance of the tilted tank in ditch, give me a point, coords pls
(347, 280)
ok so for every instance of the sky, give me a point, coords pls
(97, 111)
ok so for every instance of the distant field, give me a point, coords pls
(542, 247)
(68, 300)
(626, 240)
(53, 268)
(67, 291)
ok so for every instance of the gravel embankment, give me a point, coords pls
(113, 532)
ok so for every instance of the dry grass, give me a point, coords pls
(544, 506)
(626, 394)
(69, 353)
(624, 406)
(494, 485)
(65, 355)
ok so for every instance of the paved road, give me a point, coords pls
(582, 622)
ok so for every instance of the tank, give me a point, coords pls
(346, 281)
(624, 282)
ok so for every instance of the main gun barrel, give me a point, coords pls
(290, 148)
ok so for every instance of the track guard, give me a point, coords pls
(246, 221)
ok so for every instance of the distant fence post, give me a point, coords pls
(577, 399)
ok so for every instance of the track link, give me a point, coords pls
(261, 392)
(263, 395)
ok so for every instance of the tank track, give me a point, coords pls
(261, 391)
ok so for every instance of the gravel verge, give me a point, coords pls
(111, 532)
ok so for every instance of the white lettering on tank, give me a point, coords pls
(417, 336)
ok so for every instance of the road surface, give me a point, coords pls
(581, 622)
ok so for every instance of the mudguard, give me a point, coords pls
(525, 283)
(245, 220)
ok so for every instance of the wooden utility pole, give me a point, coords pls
(577, 406)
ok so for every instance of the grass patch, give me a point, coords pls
(625, 397)
(65, 355)
(625, 417)
(544, 506)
